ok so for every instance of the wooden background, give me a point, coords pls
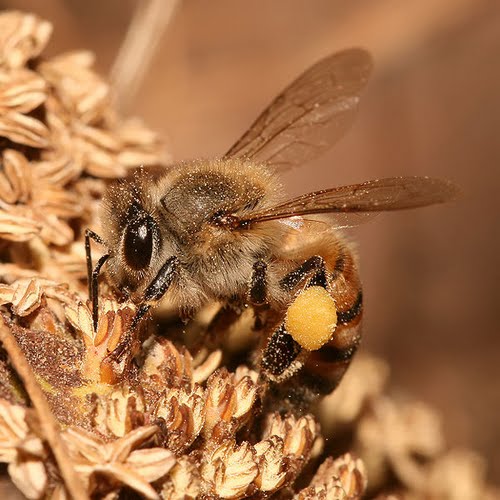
(432, 108)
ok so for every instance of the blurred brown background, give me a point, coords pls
(432, 108)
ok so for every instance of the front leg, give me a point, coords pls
(153, 293)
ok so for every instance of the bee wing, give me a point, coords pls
(354, 204)
(310, 115)
(326, 222)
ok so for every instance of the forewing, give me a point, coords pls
(353, 204)
(310, 115)
(325, 222)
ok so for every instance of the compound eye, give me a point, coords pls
(138, 243)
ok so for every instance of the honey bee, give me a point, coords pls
(221, 230)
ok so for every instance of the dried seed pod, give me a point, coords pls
(274, 468)
(229, 470)
(82, 93)
(165, 366)
(24, 129)
(15, 177)
(392, 435)
(228, 402)
(119, 461)
(115, 413)
(342, 478)
(184, 480)
(17, 228)
(298, 434)
(114, 320)
(183, 415)
(21, 90)
(22, 450)
(22, 37)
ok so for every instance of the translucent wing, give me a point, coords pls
(357, 200)
(326, 222)
(310, 115)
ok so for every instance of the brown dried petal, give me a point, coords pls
(133, 132)
(220, 400)
(97, 161)
(245, 394)
(140, 146)
(121, 448)
(21, 90)
(365, 379)
(392, 434)
(426, 436)
(80, 318)
(132, 157)
(99, 138)
(17, 228)
(24, 129)
(25, 294)
(351, 473)
(22, 37)
(87, 448)
(230, 469)
(94, 456)
(22, 451)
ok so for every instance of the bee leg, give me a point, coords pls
(325, 367)
(162, 281)
(279, 359)
(279, 356)
(230, 313)
(315, 265)
(258, 284)
(93, 273)
(154, 292)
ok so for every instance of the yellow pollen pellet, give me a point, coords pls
(311, 318)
